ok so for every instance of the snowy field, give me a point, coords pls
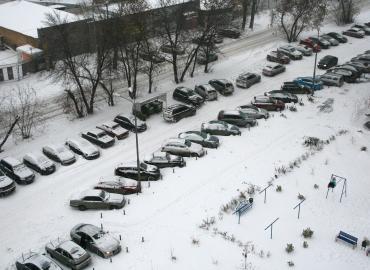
(169, 212)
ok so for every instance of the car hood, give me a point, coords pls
(66, 155)
(107, 243)
(44, 164)
(5, 181)
(23, 172)
(106, 139)
(196, 147)
(115, 198)
(119, 131)
(89, 149)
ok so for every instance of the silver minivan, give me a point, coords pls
(332, 79)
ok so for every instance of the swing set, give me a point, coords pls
(334, 180)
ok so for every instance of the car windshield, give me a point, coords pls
(74, 250)
(42, 159)
(114, 126)
(188, 143)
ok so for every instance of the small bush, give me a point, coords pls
(311, 99)
(301, 197)
(301, 103)
(195, 241)
(290, 263)
(279, 189)
(283, 115)
(364, 148)
(305, 245)
(316, 186)
(292, 108)
(307, 233)
(289, 248)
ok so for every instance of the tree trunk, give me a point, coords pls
(75, 102)
(253, 13)
(9, 132)
(245, 4)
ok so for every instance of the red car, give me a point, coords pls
(268, 103)
(310, 43)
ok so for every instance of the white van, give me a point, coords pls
(332, 79)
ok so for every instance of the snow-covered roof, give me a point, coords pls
(64, 2)
(26, 17)
(8, 57)
(28, 49)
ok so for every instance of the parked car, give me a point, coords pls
(282, 96)
(39, 163)
(272, 70)
(59, 153)
(68, 253)
(290, 51)
(35, 261)
(16, 170)
(304, 49)
(128, 122)
(84, 148)
(204, 57)
(360, 66)
(152, 57)
(324, 44)
(207, 91)
(245, 80)
(124, 186)
(95, 240)
(229, 32)
(295, 88)
(114, 130)
(98, 137)
(311, 44)
(176, 112)
(337, 36)
(353, 69)
(310, 83)
(362, 59)
(278, 57)
(223, 86)
(7, 185)
(236, 118)
(182, 147)
(253, 112)
(332, 41)
(129, 170)
(164, 160)
(187, 95)
(167, 48)
(354, 33)
(367, 24)
(97, 199)
(221, 128)
(208, 39)
(144, 110)
(332, 79)
(348, 76)
(202, 138)
(268, 103)
(364, 28)
(327, 61)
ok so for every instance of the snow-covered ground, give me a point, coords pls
(168, 213)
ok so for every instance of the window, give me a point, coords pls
(10, 73)
(1, 75)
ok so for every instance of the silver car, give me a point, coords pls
(253, 111)
(59, 153)
(290, 51)
(272, 70)
(202, 138)
(68, 253)
(304, 49)
(245, 80)
(35, 261)
(7, 185)
(182, 147)
(39, 163)
(332, 41)
(114, 129)
(97, 199)
(83, 147)
(96, 240)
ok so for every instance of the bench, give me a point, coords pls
(347, 238)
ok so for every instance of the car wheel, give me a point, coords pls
(82, 208)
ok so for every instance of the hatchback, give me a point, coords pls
(327, 61)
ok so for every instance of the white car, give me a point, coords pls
(290, 51)
(216, 127)
(97, 199)
(36, 261)
(59, 153)
(83, 148)
(182, 147)
(114, 129)
(39, 163)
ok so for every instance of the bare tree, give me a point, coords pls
(253, 13)
(6, 123)
(9, 131)
(344, 11)
(151, 66)
(245, 5)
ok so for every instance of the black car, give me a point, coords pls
(282, 96)
(16, 170)
(128, 122)
(237, 118)
(223, 86)
(229, 32)
(98, 137)
(327, 61)
(187, 95)
(295, 88)
(324, 44)
(164, 160)
(176, 112)
(337, 36)
(147, 172)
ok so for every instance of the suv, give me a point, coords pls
(295, 88)
(187, 95)
(7, 185)
(327, 61)
(278, 57)
(223, 86)
(98, 137)
(229, 32)
(338, 37)
(128, 122)
(16, 170)
(290, 51)
(237, 118)
(182, 147)
(147, 172)
(206, 91)
(176, 112)
(245, 80)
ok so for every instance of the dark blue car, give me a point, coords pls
(309, 83)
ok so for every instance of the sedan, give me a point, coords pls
(164, 160)
(128, 122)
(202, 138)
(84, 148)
(68, 253)
(359, 66)
(35, 261)
(16, 170)
(223, 86)
(272, 70)
(221, 128)
(309, 83)
(364, 28)
(97, 199)
(122, 186)
(39, 163)
(59, 153)
(338, 37)
(282, 96)
(278, 57)
(114, 130)
(95, 240)
(332, 41)
(321, 41)
(187, 95)
(354, 33)
(98, 137)
(327, 61)
(7, 185)
(268, 103)
(182, 148)
(253, 111)
(130, 170)
(304, 49)
(245, 80)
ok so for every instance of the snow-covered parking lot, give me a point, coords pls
(167, 215)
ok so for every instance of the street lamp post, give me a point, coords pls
(314, 67)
